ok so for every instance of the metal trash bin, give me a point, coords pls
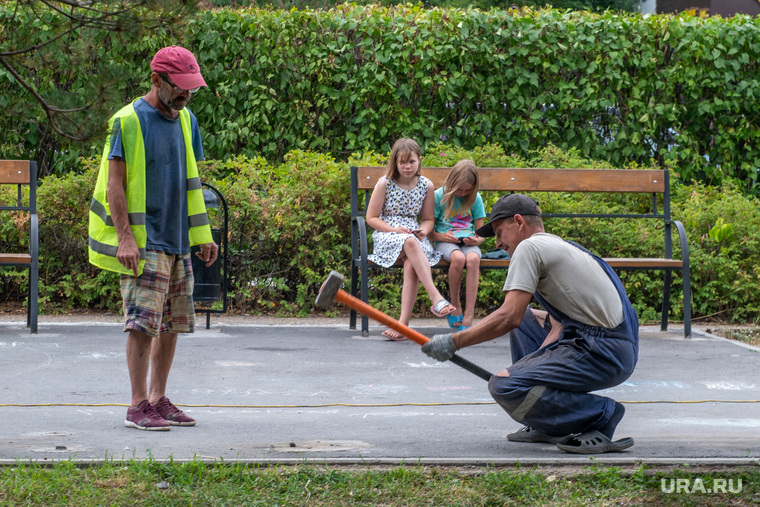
(211, 281)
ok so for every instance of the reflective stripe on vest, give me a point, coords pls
(103, 241)
(199, 229)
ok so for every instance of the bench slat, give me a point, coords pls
(15, 258)
(542, 180)
(644, 263)
(615, 262)
(14, 172)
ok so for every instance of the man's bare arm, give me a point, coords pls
(127, 254)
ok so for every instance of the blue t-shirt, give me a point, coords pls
(462, 220)
(166, 176)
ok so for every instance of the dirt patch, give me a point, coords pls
(12, 308)
(745, 334)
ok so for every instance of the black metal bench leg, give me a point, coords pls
(33, 297)
(686, 300)
(666, 300)
(354, 284)
(365, 295)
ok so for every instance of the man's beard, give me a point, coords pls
(172, 103)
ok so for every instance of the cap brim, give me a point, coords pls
(486, 231)
(188, 81)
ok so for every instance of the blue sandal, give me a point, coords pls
(454, 320)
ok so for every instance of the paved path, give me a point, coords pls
(289, 393)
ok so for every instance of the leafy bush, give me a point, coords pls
(64, 204)
(289, 226)
(67, 280)
(725, 273)
(595, 5)
(617, 88)
(623, 88)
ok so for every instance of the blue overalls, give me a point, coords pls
(548, 389)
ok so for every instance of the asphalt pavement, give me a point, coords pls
(296, 391)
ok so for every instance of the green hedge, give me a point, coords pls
(681, 91)
(588, 5)
(290, 225)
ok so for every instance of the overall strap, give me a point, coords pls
(629, 328)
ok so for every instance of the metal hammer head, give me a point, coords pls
(329, 290)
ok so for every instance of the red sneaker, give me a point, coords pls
(145, 417)
(172, 414)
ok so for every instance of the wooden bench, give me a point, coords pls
(24, 173)
(503, 180)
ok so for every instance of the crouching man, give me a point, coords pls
(587, 339)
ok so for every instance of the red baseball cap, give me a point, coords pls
(181, 66)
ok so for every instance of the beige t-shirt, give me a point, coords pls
(567, 277)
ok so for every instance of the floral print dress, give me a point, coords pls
(401, 209)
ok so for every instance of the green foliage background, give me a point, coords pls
(290, 225)
(681, 91)
(589, 5)
(59, 56)
(295, 97)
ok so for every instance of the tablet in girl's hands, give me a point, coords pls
(461, 240)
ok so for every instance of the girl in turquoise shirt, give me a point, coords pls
(459, 212)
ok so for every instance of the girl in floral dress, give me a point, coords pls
(398, 199)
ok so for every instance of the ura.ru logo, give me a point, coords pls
(701, 486)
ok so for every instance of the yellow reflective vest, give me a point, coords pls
(103, 242)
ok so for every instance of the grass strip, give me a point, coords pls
(148, 482)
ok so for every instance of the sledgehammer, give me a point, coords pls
(331, 291)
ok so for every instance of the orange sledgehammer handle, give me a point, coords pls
(373, 313)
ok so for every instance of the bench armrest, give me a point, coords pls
(361, 228)
(34, 236)
(683, 240)
(686, 277)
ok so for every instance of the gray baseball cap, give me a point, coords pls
(508, 206)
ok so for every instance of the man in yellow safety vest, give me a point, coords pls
(146, 213)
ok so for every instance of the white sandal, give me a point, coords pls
(440, 305)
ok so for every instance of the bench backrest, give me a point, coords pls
(648, 181)
(20, 173)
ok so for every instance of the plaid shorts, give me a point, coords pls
(160, 300)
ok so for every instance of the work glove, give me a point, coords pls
(440, 347)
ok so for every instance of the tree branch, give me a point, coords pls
(50, 111)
